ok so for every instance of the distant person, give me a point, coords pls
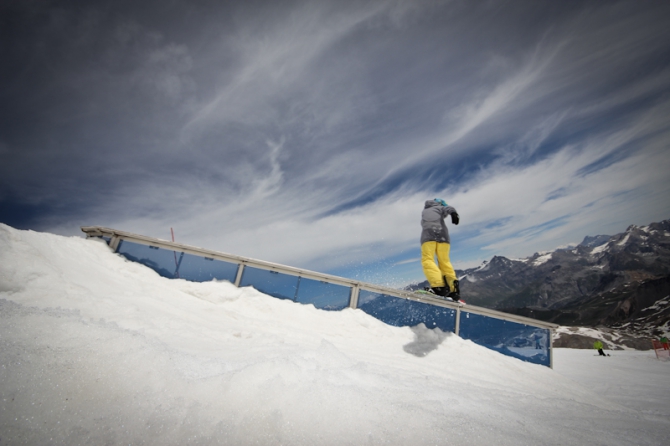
(599, 346)
(435, 242)
(664, 342)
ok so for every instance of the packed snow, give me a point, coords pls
(95, 349)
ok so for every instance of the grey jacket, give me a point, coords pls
(432, 222)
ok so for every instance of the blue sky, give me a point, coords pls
(310, 133)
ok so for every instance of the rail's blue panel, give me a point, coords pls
(177, 264)
(521, 341)
(323, 295)
(205, 269)
(282, 286)
(405, 312)
(160, 260)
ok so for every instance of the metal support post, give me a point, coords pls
(353, 299)
(238, 278)
(114, 243)
(551, 348)
(457, 327)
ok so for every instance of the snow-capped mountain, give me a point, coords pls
(605, 280)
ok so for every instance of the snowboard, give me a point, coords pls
(448, 299)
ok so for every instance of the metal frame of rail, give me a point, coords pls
(116, 236)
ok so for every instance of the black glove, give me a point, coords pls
(454, 218)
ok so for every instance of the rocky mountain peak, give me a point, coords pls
(592, 242)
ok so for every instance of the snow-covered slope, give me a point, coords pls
(98, 350)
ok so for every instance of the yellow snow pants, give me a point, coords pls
(435, 272)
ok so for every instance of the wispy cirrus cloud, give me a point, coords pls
(311, 133)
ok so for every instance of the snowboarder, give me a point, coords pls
(599, 346)
(664, 342)
(435, 242)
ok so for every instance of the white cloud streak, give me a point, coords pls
(275, 60)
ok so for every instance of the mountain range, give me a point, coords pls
(621, 282)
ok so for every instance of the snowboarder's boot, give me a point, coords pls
(440, 290)
(433, 290)
(456, 293)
